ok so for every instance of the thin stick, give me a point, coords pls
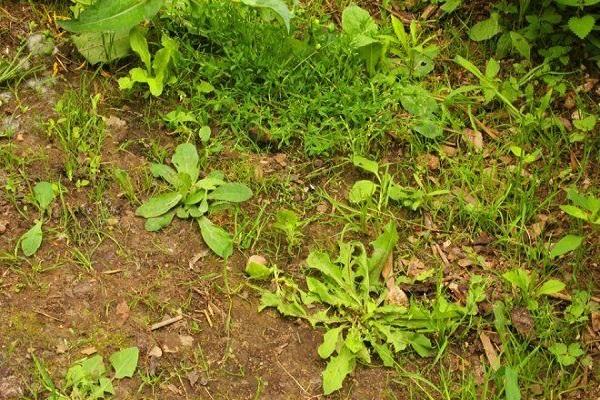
(166, 322)
(47, 315)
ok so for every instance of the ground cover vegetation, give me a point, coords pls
(260, 199)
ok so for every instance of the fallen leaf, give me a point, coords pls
(186, 340)
(197, 258)
(523, 322)
(122, 311)
(395, 295)
(155, 352)
(490, 351)
(61, 347)
(193, 377)
(415, 267)
(475, 138)
(88, 351)
(596, 321)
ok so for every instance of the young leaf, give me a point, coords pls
(277, 6)
(566, 245)
(511, 384)
(256, 268)
(366, 164)
(157, 223)
(125, 362)
(112, 15)
(93, 367)
(139, 44)
(232, 192)
(158, 205)
(337, 369)
(186, 160)
(382, 248)
(216, 238)
(361, 191)
(550, 287)
(575, 212)
(43, 194)
(32, 239)
(357, 21)
(520, 44)
(582, 26)
(330, 340)
(486, 29)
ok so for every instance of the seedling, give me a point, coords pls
(192, 197)
(43, 196)
(586, 208)
(414, 54)
(290, 225)
(566, 355)
(87, 378)
(347, 296)
(529, 287)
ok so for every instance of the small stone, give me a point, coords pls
(155, 352)
(3, 225)
(40, 45)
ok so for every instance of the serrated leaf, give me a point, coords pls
(32, 239)
(277, 6)
(330, 340)
(217, 239)
(112, 15)
(585, 124)
(186, 160)
(550, 287)
(582, 26)
(233, 192)
(566, 245)
(158, 205)
(44, 194)
(337, 369)
(486, 29)
(125, 362)
(361, 191)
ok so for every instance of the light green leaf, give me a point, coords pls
(330, 340)
(125, 362)
(158, 205)
(486, 29)
(575, 212)
(44, 194)
(582, 26)
(382, 248)
(165, 172)
(186, 160)
(32, 239)
(366, 164)
(157, 223)
(112, 15)
(216, 238)
(550, 287)
(586, 124)
(337, 369)
(518, 277)
(139, 44)
(520, 44)
(566, 245)
(232, 192)
(361, 191)
(98, 47)
(277, 6)
(357, 21)
(511, 384)
(93, 367)
(256, 269)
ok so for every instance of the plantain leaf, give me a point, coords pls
(232, 192)
(112, 16)
(277, 6)
(217, 239)
(158, 205)
(32, 239)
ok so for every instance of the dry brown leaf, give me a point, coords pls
(490, 351)
(475, 138)
(88, 351)
(155, 352)
(596, 322)
(122, 311)
(523, 322)
(186, 340)
(395, 295)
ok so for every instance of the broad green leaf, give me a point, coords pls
(366, 164)
(511, 384)
(104, 386)
(566, 245)
(429, 128)
(586, 124)
(361, 191)
(112, 15)
(216, 238)
(93, 367)
(577, 3)
(330, 340)
(158, 205)
(139, 44)
(486, 29)
(357, 21)
(421, 344)
(575, 212)
(337, 369)
(418, 101)
(520, 44)
(32, 239)
(204, 134)
(384, 352)
(165, 172)
(257, 270)
(382, 248)
(98, 47)
(550, 287)
(186, 160)
(125, 362)
(353, 340)
(590, 203)
(582, 26)
(44, 194)
(518, 277)
(232, 192)
(157, 223)
(277, 6)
